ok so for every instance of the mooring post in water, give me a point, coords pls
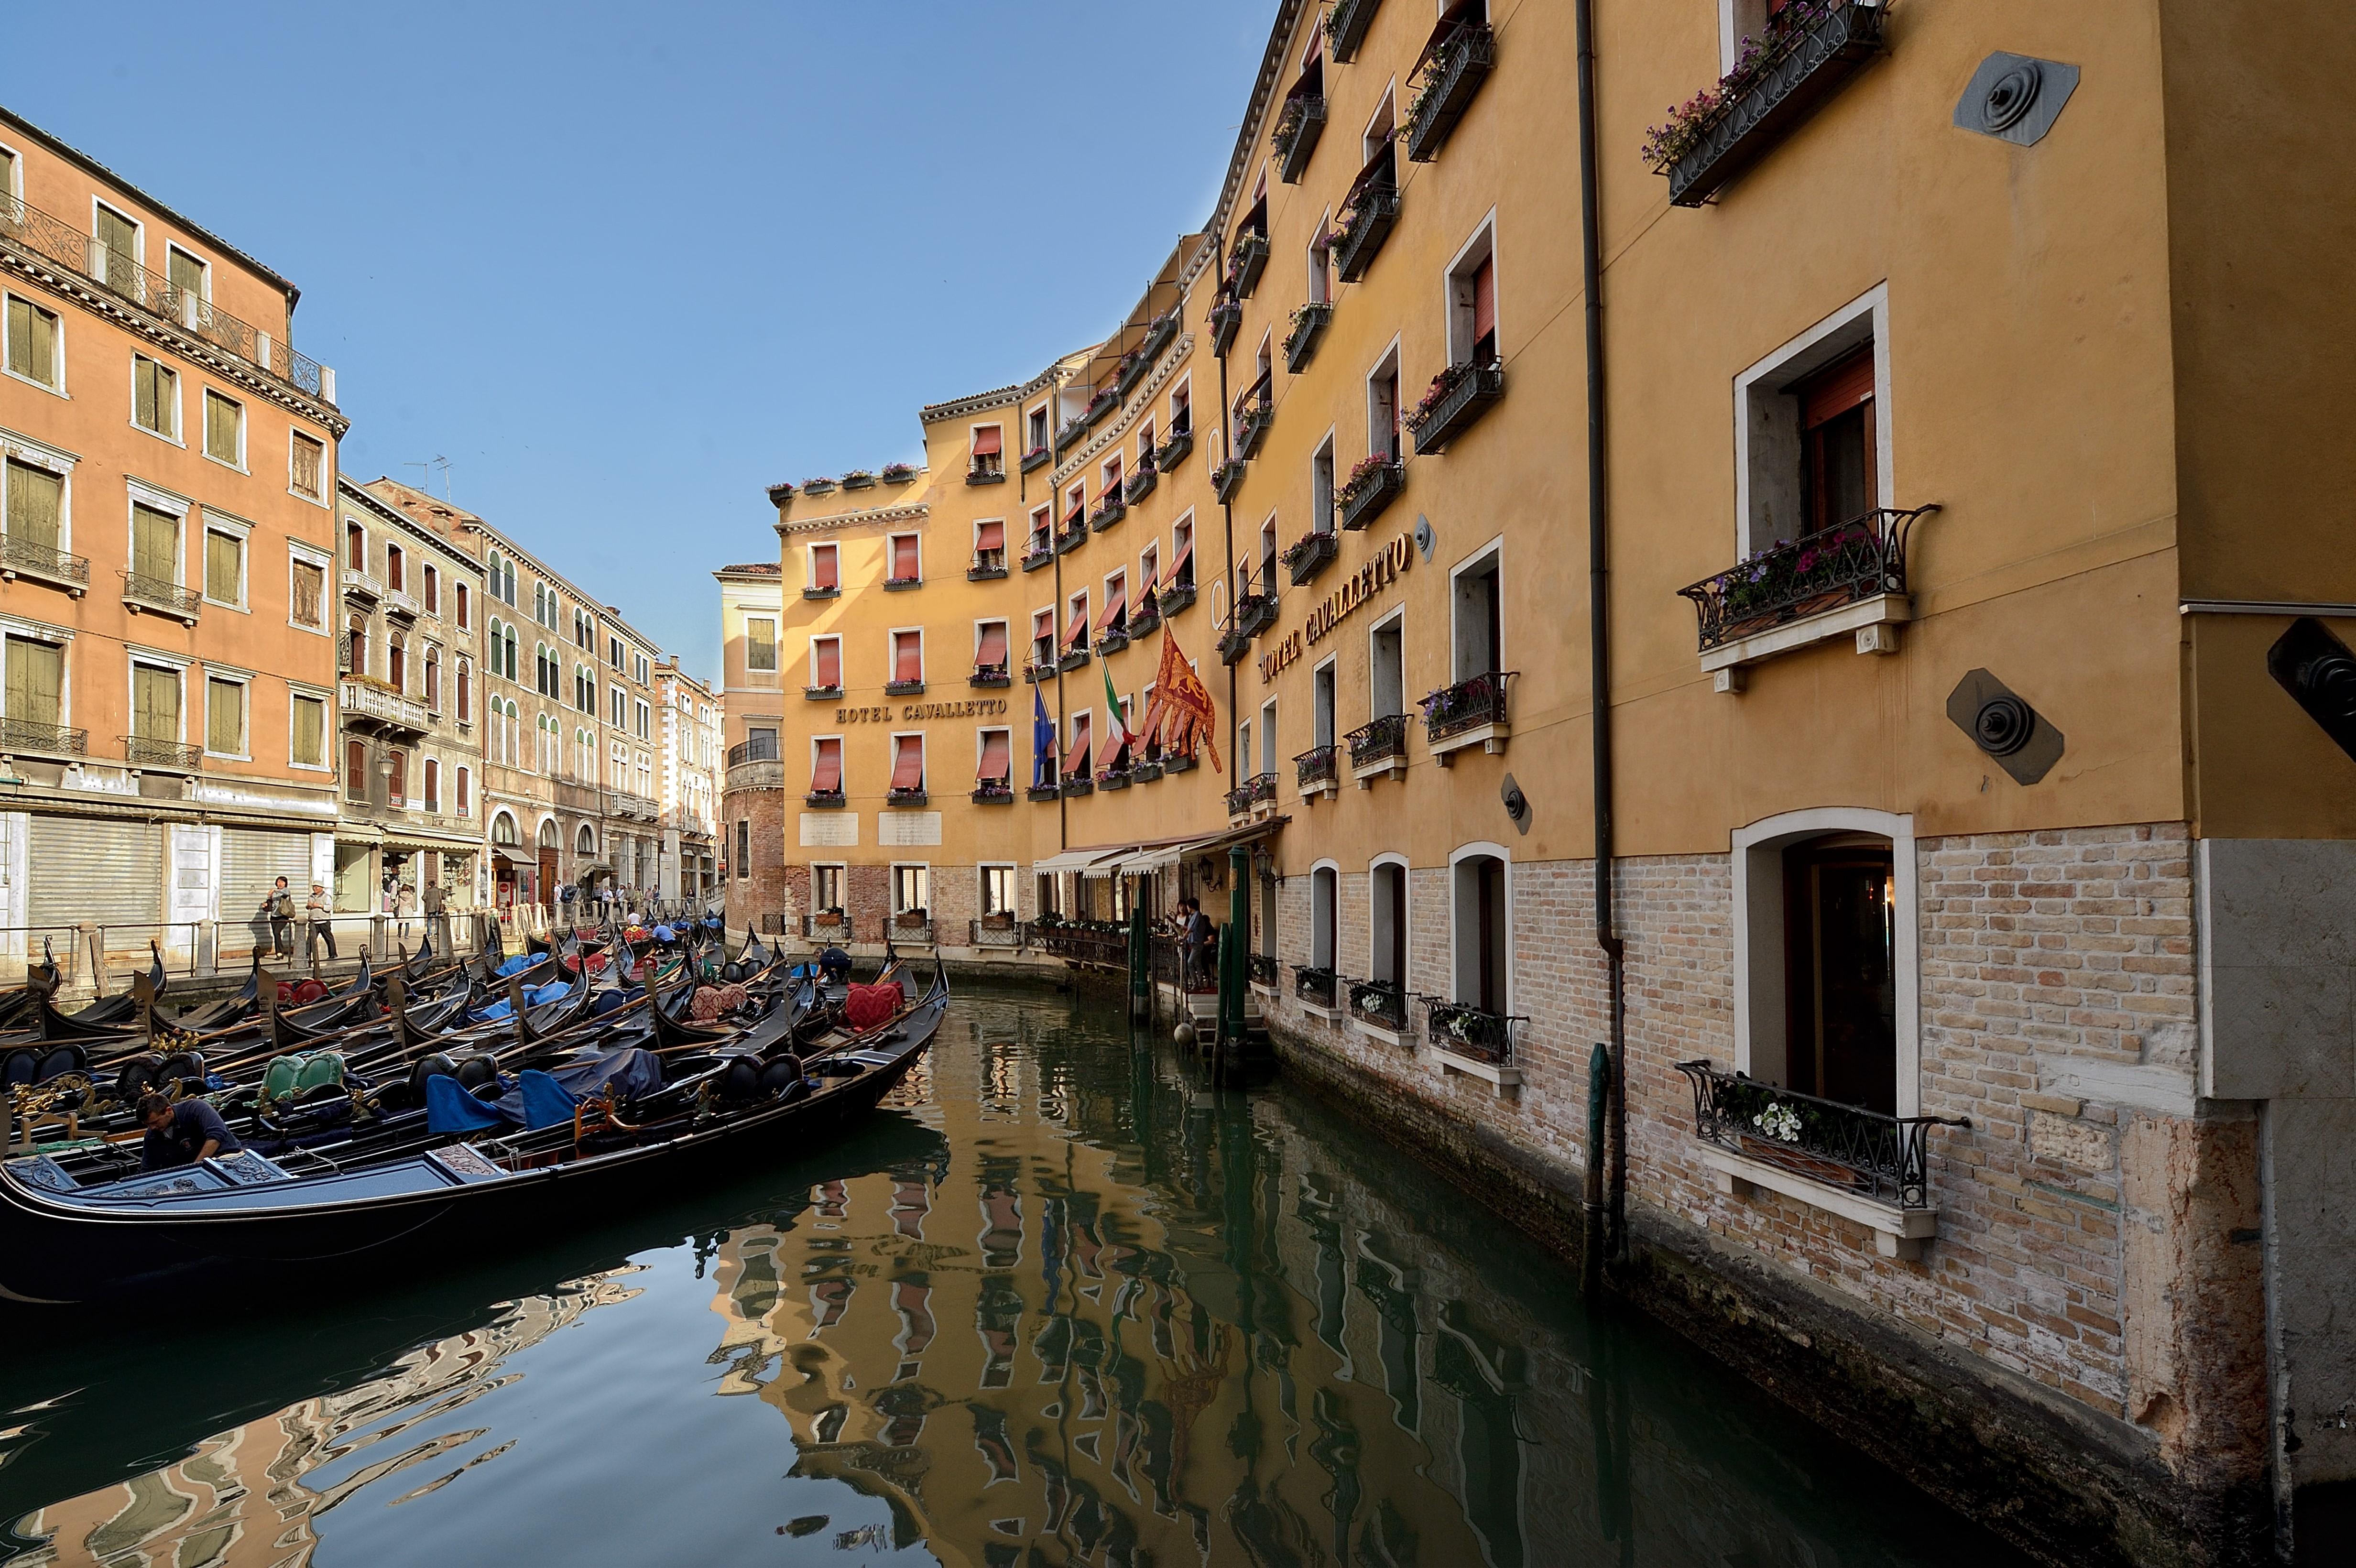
(1141, 966)
(1599, 1097)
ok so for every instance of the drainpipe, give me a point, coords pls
(1055, 614)
(1239, 900)
(1599, 662)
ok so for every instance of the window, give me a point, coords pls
(825, 886)
(36, 672)
(33, 344)
(396, 573)
(1324, 914)
(826, 765)
(1386, 881)
(432, 783)
(466, 691)
(433, 680)
(224, 717)
(1041, 530)
(118, 236)
(1321, 488)
(911, 889)
(1383, 408)
(9, 183)
(1811, 430)
(396, 663)
(908, 657)
(996, 765)
(186, 274)
(645, 716)
(1181, 416)
(465, 608)
(1043, 638)
(824, 573)
(1482, 928)
(154, 544)
(1837, 442)
(356, 645)
(306, 465)
(584, 690)
(744, 850)
(37, 505)
(908, 764)
(154, 397)
(1320, 699)
(1267, 738)
(309, 726)
(584, 756)
(1387, 668)
(990, 646)
(224, 429)
(508, 649)
(355, 770)
(1473, 303)
(1181, 554)
(617, 704)
(639, 668)
(997, 890)
(396, 784)
(308, 594)
(155, 703)
(1037, 425)
(1320, 262)
(1474, 602)
(465, 792)
(1076, 620)
(904, 559)
(432, 590)
(613, 652)
(826, 664)
(988, 459)
(224, 567)
(989, 544)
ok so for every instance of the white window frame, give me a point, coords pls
(204, 440)
(41, 632)
(326, 699)
(900, 866)
(843, 750)
(324, 499)
(138, 226)
(1013, 880)
(243, 681)
(1455, 965)
(1332, 933)
(897, 736)
(1482, 246)
(1479, 556)
(892, 636)
(1182, 388)
(1388, 362)
(242, 531)
(1404, 917)
(138, 494)
(1757, 417)
(841, 678)
(892, 548)
(809, 562)
(16, 172)
(40, 454)
(57, 388)
(179, 436)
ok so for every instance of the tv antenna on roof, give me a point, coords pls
(428, 466)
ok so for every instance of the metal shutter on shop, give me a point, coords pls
(99, 870)
(253, 860)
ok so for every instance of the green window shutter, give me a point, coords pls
(32, 342)
(155, 703)
(224, 563)
(36, 681)
(310, 730)
(222, 418)
(154, 544)
(36, 504)
(224, 717)
(186, 274)
(118, 234)
(155, 390)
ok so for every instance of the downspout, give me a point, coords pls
(1613, 1209)
(1240, 894)
(1055, 614)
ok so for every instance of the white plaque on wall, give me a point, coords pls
(908, 828)
(829, 829)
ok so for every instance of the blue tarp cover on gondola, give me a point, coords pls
(541, 1099)
(517, 965)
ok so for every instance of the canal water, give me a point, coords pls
(1065, 1303)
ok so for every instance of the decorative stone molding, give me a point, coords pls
(910, 514)
(1116, 429)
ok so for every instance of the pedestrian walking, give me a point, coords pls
(437, 918)
(317, 911)
(404, 908)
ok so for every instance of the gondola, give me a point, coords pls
(246, 1217)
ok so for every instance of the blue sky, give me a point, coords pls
(626, 264)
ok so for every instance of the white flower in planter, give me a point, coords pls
(1779, 1122)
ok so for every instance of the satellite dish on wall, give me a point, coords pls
(1518, 805)
(1425, 539)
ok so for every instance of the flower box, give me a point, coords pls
(1316, 769)
(903, 688)
(1146, 772)
(1038, 557)
(828, 919)
(1311, 554)
(989, 675)
(1073, 658)
(985, 475)
(1226, 318)
(1232, 645)
(1378, 748)
(1112, 639)
(1075, 534)
(1255, 613)
(817, 486)
(1110, 510)
(1140, 485)
(1245, 262)
(1471, 712)
(1308, 325)
(1365, 223)
(834, 592)
(1042, 792)
(1345, 28)
(1459, 396)
(1314, 985)
(905, 796)
(902, 585)
(1003, 921)
(822, 693)
(1036, 457)
(987, 567)
(1178, 764)
(1035, 673)
(1810, 52)
(909, 920)
(1145, 617)
(1074, 787)
(823, 800)
(1069, 436)
(1372, 486)
(780, 494)
(1298, 129)
(858, 480)
(1113, 778)
(1849, 564)
(1252, 420)
(1174, 598)
(1227, 476)
(899, 473)
(1453, 75)
(1174, 450)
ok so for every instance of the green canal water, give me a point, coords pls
(1064, 1303)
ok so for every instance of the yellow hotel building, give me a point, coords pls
(1888, 568)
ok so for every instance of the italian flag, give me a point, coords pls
(1116, 730)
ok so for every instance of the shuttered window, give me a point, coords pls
(225, 717)
(432, 783)
(396, 787)
(826, 769)
(1115, 600)
(155, 703)
(224, 429)
(822, 567)
(991, 535)
(310, 732)
(310, 458)
(997, 756)
(154, 397)
(985, 441)
(224, 567)
(907, 656)
(32, 342)
(993, 644)
(830, 662)
(36, 504)
(309, 589)
(904, 559)
(908, 761)
(1485, 311)
(186, 272)
(760, 643)
(118, 234)
(355, 785)
(154, 544)
(36, 678)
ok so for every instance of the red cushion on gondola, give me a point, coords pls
(310, 991)
(871, 1004)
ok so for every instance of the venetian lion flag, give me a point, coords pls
(1181, 710)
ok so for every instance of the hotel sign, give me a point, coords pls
(1362, 585)
(916, 712)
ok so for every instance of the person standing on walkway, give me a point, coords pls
(437, 918)
(279, 908)
(316, 913)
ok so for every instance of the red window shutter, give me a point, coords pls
(1115, 600)
(830, 662)
(907, 657)
(904, 559)
(1185, 554)
(993, 644)
(822, 566)
(1485, 299)
(826, 774)
(992, 535)
(1076, 760)
(908, 762)
(1836, 388)
(985, 441)
(1042, 626)
(997, 757)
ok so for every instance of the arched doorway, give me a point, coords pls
(547, 845)
(503, 857)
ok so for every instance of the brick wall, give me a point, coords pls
(771, 891)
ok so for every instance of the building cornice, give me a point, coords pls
(914, 513)
(1247, 138)
(347, 491)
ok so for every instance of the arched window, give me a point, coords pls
(433, 680)
(1482, 921)
(503, 828)
(359, 632)
(465, 692)
(1388, 925)
(587, 844)
(584, 756)
(1324, 913)
(396, 663)
(548, 835)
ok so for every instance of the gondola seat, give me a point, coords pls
(869, 1006)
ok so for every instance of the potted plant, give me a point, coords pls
(818, 487)
(830, 917)
(898, 473)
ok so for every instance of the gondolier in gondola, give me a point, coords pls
(182, 1133)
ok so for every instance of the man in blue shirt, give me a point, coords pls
(182, 1133)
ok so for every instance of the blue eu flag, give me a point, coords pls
(1043, 738)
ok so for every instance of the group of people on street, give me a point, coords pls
(401, 900)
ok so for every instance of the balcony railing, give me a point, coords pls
(762, 748)
(1382, 743)
(1810, 52)
(1466, 1030)
(1307, 556)
(831, 926)
(1379, 1003)
(1251, 793)
(1451, 75)
(1309, 323)
(637, 807)
(22, 735)
(1372, 486)
(1172, 451)
(162, 593)
(1460, 395)
(766, 774)
(396, 602)
(1255, 411)
(1263, 968)
(381, 705)
(995, 929)
(359, 584)
(988, 565)
(1226, 318)
(1856, 560)
(1298, 127)
(1316, 768)
(1345, 27)
(1875, 1156)
(1366, 220)
(1316, 985)
(993, 791)
(1246, 261)
(1467, 704)
(21, 556)
(141, 751)
(53, 239)
(1103, 946)
(990, 675)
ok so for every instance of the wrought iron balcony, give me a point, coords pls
(990, 675)
(24, 736)
(1366, 222)
(1309, 323)
(54, 240)
(1040, 553)
(1316, 768)
(1381, 744)
(1298, 128)
(1379, 1003)
(143, 593)
(831, 591)
(1238, 801)
(1345, 28)
(381, 705)
(1372, 484)
(1140, 483)
(1861, 559)
(1307, 556)
(823, 799)
(993, 791)
(1000, 930)
(1810, 52)
(1880, 1157)
(1464, 1030)
(21, 556)
(915, 796)
(1226, 477)
(1226, 318)
(827, 925)
(989, 565)
(1263, 968)
(1469, 706)
(1246, 261)
(1109, 510)
(1176, 597)
(761, 748)
(1460, 395)
(903, 688)
(1314, 985)
(141, 751)
(1174, 450)
(1453, 75)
